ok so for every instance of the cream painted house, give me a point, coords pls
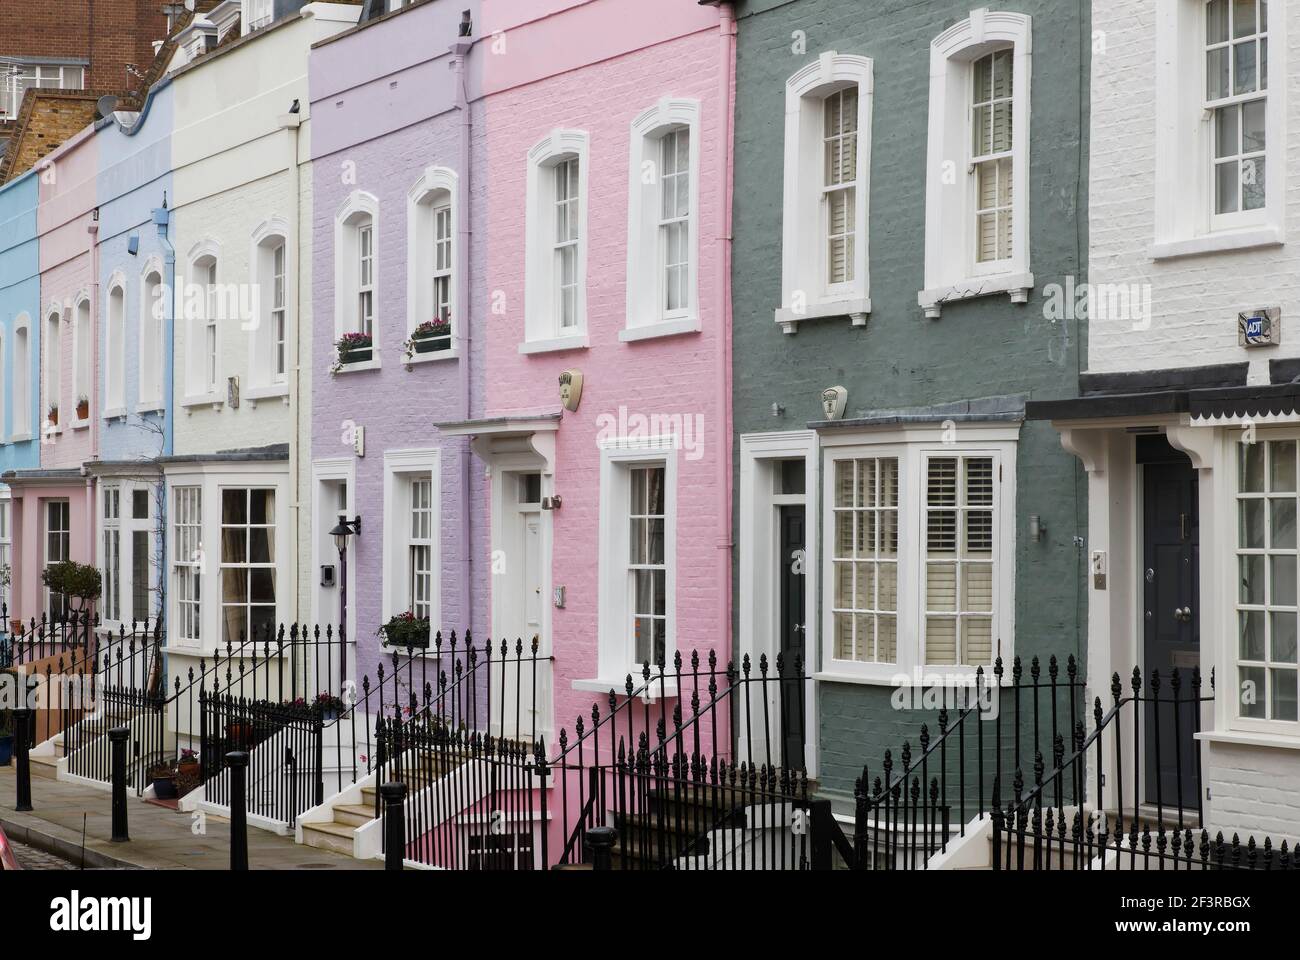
(241, 227)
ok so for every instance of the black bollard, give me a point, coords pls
(600, 847)
(237, 763)
(22, 734)
(117, 737)
(394, 825)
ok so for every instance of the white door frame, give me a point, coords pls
(504, 504)
(759, 598)
(334, 470)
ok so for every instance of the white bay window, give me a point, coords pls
(920, 545)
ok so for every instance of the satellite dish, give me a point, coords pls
(105, 106)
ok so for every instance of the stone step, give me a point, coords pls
(45, 767)
(353, 814)
(329, 836)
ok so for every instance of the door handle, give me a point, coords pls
(1183, 614)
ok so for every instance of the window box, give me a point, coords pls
(406, 631)
(354, 348)
(431, 336)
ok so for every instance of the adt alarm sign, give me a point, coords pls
(1259, 328)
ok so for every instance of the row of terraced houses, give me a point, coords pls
(891, 341)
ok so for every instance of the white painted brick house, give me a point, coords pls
(1188, 420)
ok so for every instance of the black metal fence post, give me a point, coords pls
(117, 737)
(394, 824)
(237, 764)
(22, 717)
(600, 847)
(819, 823)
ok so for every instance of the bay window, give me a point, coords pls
(920, 545)
(1267, 586)
(248, 567)
(187, 562)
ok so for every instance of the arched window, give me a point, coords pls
(431, 261)
(21, 404)
(53, 367)
(203, 309)
(269, 342)
(152, 312)
(81, 364)
(555, 286)
(115, 348)
(356, 277)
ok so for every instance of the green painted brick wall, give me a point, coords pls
(979, 348)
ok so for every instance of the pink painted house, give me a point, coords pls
(601, 204)
(54, 505)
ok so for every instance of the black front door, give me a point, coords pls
(791, 578)
(1171, 615)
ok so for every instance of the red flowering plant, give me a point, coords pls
(352, 348)
(429, 337)
(406, 630)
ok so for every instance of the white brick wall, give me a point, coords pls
(1253, 790)
(1195, 300)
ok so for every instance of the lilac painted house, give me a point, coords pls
(392, 353)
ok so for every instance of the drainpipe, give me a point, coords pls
(460, 52)
(162, 220)
(291, 123)
(92, 230)
(726, 65)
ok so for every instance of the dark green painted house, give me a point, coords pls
(910, 184)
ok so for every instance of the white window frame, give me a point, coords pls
(46, 532)
(348, 220)
(435, 191)
(52, 367)
(203, 330)
(951, 272)
(1231, 574)
(124, 525)
(1184, 136)
(400, 466)
(805, 294)
(82, 357)
(186, 523)
(110, 559)
(647, 314)
(115, 347)
(256, 14)
(913, 446)
(542, 331)
(616, 654)
(151, 381)
(17, 79)
(6, 545)
(279, 532)
(265, 379)
(20, 413)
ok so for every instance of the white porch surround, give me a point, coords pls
(1249, 766)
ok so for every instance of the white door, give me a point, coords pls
(517, 689)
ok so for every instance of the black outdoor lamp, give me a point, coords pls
(344, 529)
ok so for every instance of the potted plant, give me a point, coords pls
(353, 348)
(163, 778)
(328, 706)
(432, 335)
(240, 734)
(83, 407)
(188, 766)
(406, 630)
(6, 736)
(75, 581)
(54, 415)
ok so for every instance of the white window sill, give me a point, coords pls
(1243, 738)
(661, 328)
(215, 400)
(855, 309)
(80, 424)
(619, 686)
(575, 342)
(208, 651)
(277, 391)
(51, 431)
(900, 678)
(150, 406)
(114, 413)
(371, 364)
(437, 356)
(1017, 285)
(19, 437)
(1225, 242)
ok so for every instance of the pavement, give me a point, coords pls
(161, 838)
